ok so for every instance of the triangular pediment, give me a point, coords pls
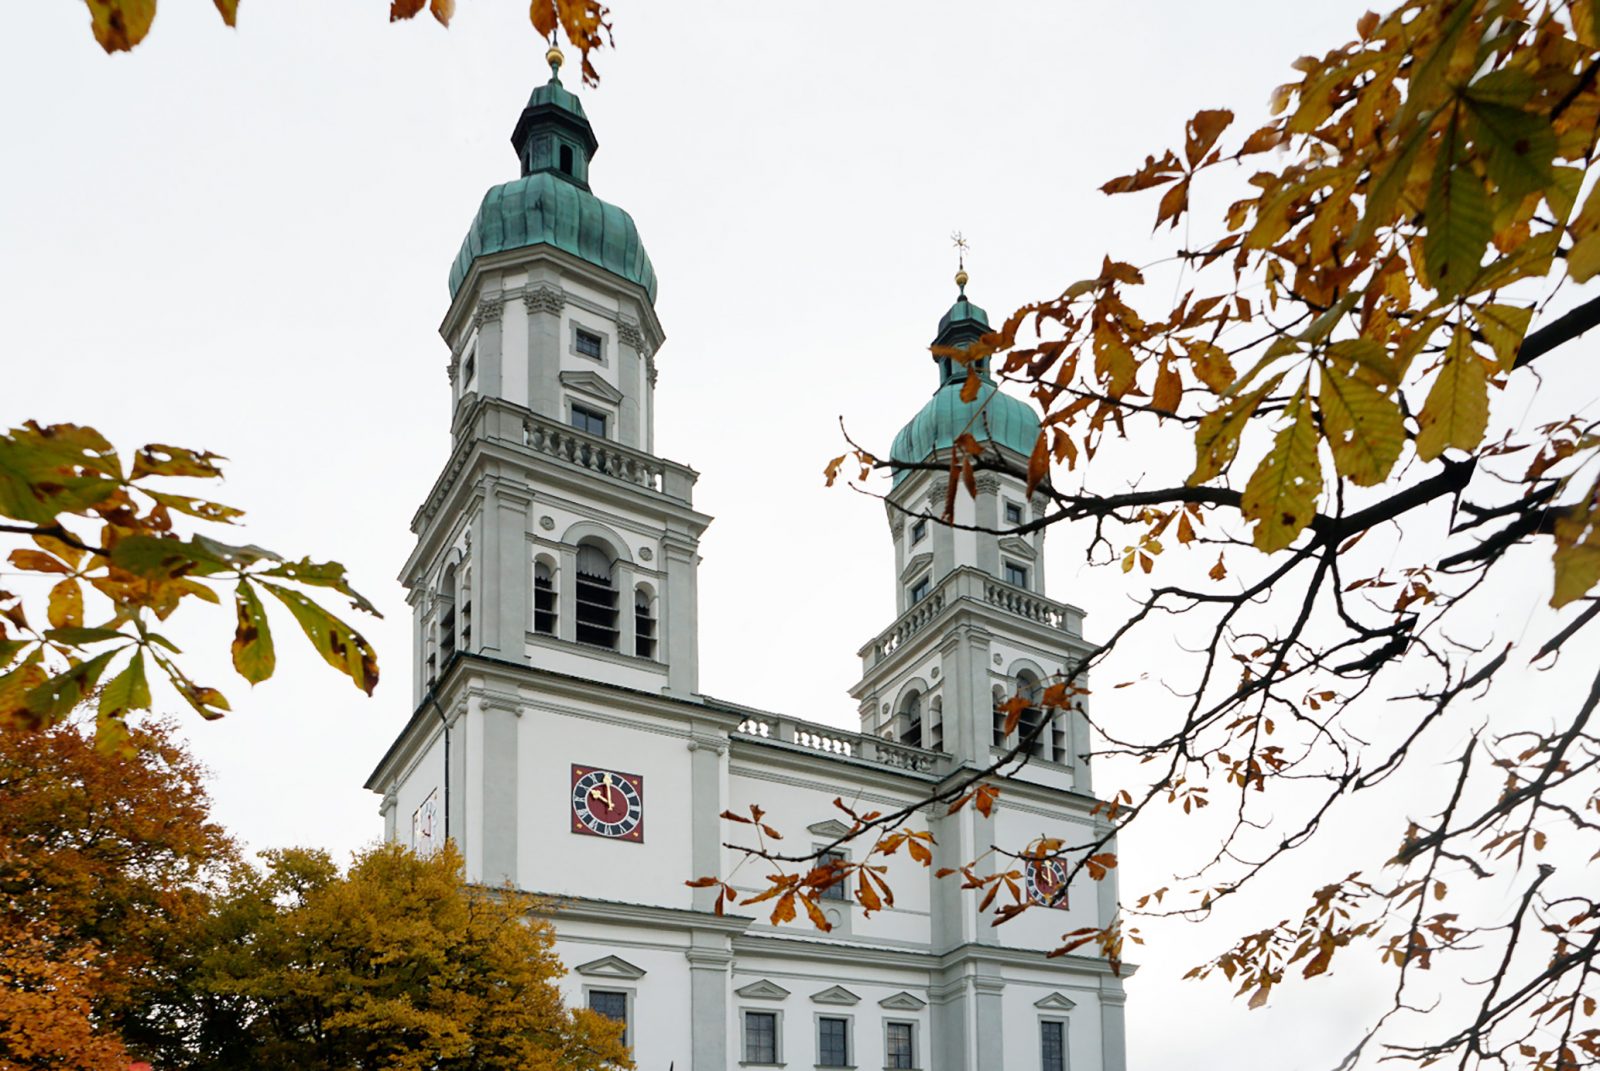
(1018, 546)
(902, 1001)
(832, 829)
(1054, 1002)
(592, 384)
(762, 990)
(917, 564)
(610, 967)
(835, 994)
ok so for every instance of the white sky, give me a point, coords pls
(239, 241)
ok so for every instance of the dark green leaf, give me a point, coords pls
(253, 655)
(341, 646)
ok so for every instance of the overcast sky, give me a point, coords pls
(239, 240)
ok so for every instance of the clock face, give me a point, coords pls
(606, 803)
(1047, 883)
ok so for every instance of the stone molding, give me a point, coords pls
(488, 311)
(903, 1001)
(987, 483)
(762, 990)
(610, 967)
(1052, 1002)
(544, 298)
(835, 994)
(628, 333)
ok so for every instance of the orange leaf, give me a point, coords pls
(1038, 463)
(1203, 131)
(969, 386)
(404, 9)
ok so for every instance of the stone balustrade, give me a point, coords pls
(978, 587)
(831, 741)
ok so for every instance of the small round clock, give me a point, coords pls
(607, 803)
(1047, 882)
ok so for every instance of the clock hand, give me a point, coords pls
(609, 801)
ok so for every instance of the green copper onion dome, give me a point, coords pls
(551, 203)
(991, 417)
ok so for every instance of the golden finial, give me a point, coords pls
(554, 58)
(961, 245)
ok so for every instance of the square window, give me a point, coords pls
(589, 420)
(1013, 513)
(1016, 574)
(921, 590)
(899, 1045)
(1053, 1046)
(919, 532)
(588, 344)
(760, 1037)
(613, 1005)
(833, 1041)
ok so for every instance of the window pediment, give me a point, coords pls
(903, 1001)
(1054, 1002)
(836, 994)
(592, 384)
(1018, 546)
(762, 990)
(610, 967)
(917, 563)
(832, 829)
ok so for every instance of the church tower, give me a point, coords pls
(974, 625)
(555, 536)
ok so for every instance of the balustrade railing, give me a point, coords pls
(979, 587)
(592, 453)
(831, 741)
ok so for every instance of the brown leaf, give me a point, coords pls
(229, 10)
(120, 24)
(404, 9)
(1203, 131)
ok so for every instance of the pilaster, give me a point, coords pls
(498, 847)
(681, 562)
(506, 600)
(709, 958)
(706, 776)
(630, 416)
(487, 320)
(544, 302)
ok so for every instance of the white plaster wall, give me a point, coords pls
(425, 774)
(1042, 927)
(661, 1013)
(965, 540)
(803, 978)
(790, 809)
(1022, 1048)
(514, 354)
(553, 859)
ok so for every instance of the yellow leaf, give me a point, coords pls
(1363, 426)
(120, 24)
(969, 386)
(443, 10)
(1504, 326)
(1282, 493)
(1168, 390)
(1211, 366)
(1114, 363)
(1216, 439)
(66, 605)
(1457, 410)
(229, 10)
(1577, 557)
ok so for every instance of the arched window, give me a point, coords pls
(1031, 725)
(596, 591)
(936, 724)
(999, 717)
(911, 720)
(447, 616)
(644, 624)
(544, 599)
(566, 159)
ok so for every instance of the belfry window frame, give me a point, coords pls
(584, 418)
(596, 604)
(578, 332)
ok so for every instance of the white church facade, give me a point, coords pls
(560, 738)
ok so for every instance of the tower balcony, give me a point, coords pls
(972, 588)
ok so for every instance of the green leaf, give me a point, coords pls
(1459, 223)
(322, 575)
(207, 702)
(77, 637)
(1517, 147)
(128, 690)
(55, 698)
(1368, 354)
(1216, 440)
(1457, 409)
(1363, 426)
(253, 655)
(341, 646)
(1504, 327)
(1281, 496)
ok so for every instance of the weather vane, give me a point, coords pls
(960, 242)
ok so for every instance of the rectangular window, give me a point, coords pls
(469, 367)
(1052, 1046)
(760, 1037)
(919, 532)
(589, 420)
(1016, 574)
(898, 1045)
(921, 590)
(1013, 513)
(836, 891)
(612, 1005)
(833, 1042)
(588, 343)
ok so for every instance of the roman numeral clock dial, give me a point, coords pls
(607, 803)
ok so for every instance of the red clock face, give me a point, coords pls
(607, 803)
(1046, 881)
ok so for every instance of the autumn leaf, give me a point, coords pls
(120, 24)
(1114, 363)
(1459, 223)
(1503, 326)
(1363, 427)
(1577, 555)
(1211, 365)
(229, 10)
(340, 646)
(253, 655)
(1281, 496)
(1457, 408)
(65, 607)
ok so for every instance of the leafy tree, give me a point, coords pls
(1349, 362)
(94, 522)
(397, 965)
(105, 864)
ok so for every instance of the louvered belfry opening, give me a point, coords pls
(644, 625)
(596, 591)
(544, 600)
